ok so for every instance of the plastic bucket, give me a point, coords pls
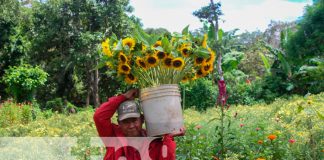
(162, 109)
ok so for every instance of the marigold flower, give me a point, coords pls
(272, 137)
(260, 159)
(260, 141)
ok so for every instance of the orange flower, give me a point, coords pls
(260, 158)
(260, 141)
(272, 137)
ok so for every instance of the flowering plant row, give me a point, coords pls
(152, 60)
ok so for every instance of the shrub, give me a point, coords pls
(200, 94)
(23, 80)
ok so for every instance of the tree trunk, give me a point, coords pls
(95, 84)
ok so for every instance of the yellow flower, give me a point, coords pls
(204, 43)
(130, 78)
(178, 63)
(168, 62)
(207, 68)
(124, 69)
(122, 57)
(260, 158)
(158, 43)
(272, 137)
(151, 60)
(105, 48)
(141, 63)
(211, 58)
(198, 61)
(199, 73)
(185, 50)
(161, 55)
(185, 79)
(129, 42)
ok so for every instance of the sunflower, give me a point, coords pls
(157, 43)
(130, 78)
(122, 57)
(207, 68)
(204, 42)
(167, 61)
(178, 63)
(199, 73)
(185, 50)
(198, 61)
(123, 69)
(141, 63)
(105, 48)
(151, 60)
(161, 55)
(129, 42)
(212, 56)
(185, 79)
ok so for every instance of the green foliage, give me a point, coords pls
(23, 80)
(55, 105)
(307, 42)
(231, 60)
(201, 94)
(298, 118)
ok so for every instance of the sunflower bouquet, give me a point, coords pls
(153, 60)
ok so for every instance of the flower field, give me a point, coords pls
(284, 129)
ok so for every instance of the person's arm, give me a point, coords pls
(102, 116)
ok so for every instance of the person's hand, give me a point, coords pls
(131, 94)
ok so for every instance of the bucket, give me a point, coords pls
(162, 109)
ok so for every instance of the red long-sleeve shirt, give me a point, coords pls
(105, 128)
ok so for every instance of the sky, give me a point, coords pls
(246, 15)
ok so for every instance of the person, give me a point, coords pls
(130, 122)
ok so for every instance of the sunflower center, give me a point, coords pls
(142, 64)
(125, 68)
(129, 44)
(207, 67)
(199, 72)
(168, 61)
(199, 60)
(185, 51)
(130, 76)
(161, 55)
(123, 58)
(177, 63)
(151, 60)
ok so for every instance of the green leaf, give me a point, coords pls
(119, 46)
(185, 31)
(290, 87)
(220, 35)
(211, 33)
(159, 48)
(166, 45)
(299, 109)
(202, 52)
(213, 119)
(285, 65)
(265, 62)
(320, 115)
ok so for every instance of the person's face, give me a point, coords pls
(131, 127)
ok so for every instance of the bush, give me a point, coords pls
(23, 80)
(55, 105)
(200, 94)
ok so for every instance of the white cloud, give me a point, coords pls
(245, 15)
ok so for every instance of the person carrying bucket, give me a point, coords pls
(130, 122)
